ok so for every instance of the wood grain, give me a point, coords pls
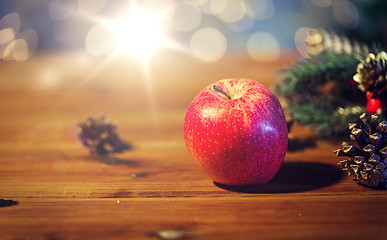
(52, 188)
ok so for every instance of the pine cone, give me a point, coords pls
(368, 160)
(101, 137)
(372, 74)
(319, 40)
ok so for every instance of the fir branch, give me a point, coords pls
(317, 69)
(319, 94)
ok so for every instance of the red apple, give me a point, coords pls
(235, 130)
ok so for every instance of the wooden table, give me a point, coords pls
(52, 188)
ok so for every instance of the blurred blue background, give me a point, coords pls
(237, 25)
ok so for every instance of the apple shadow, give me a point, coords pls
(294, 177)
(295, 145)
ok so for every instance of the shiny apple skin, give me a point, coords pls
(242, 141)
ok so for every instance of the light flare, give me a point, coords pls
(139, 32)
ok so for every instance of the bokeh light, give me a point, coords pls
(11, 20)
(346, 13)
(61, 10)
(23, 47)
(48, 78)
(245, 24)
(300, 41)
(262, 9)
(30, 36)
(154, 7)
(322, 3)
(217, 6)
(228, 10)
(186, 17)
(263, 46)
(101, 40)
(9, 26)
(91, 6)
(19, 50)
(208, 44)
(203, 5)
(15, 45)
(300, 38)
(7, 51)
(6, 35)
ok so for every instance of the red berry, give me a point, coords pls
(369, 95)
(374, 106)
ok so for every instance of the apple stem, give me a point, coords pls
(221, 90)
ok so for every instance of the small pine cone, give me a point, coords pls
(372, 74)
(368, 160)
(100, 136)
